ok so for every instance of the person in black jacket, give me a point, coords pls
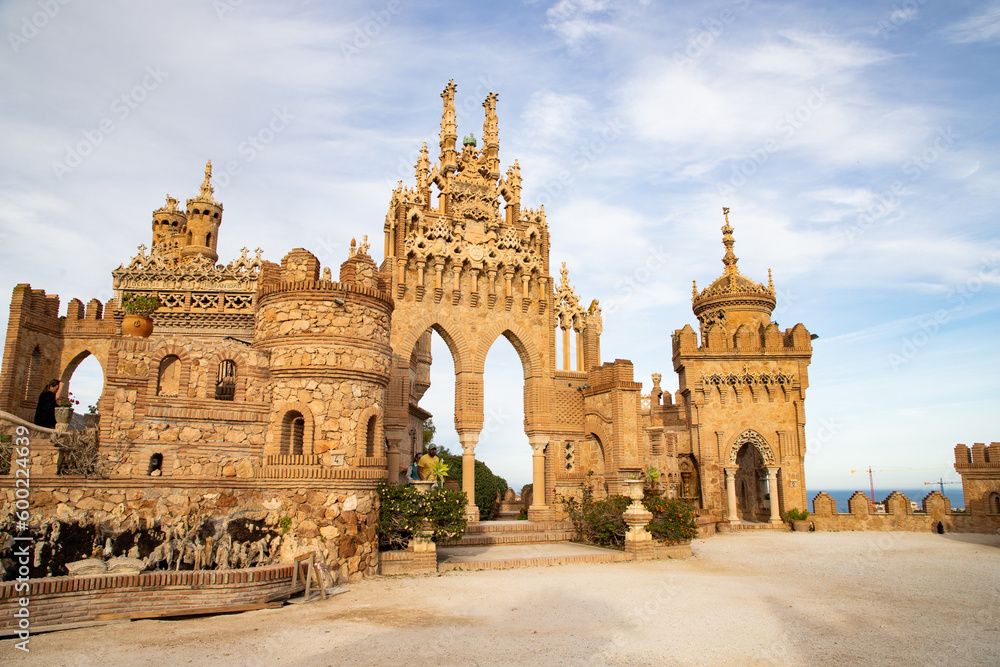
(45, 412)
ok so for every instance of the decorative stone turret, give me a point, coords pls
(169, 230)
(733, 299)
(204, 215)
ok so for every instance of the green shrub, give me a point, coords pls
(602, 522)
(795, 514)
(403, 511)
(673, 520)
(487, 485)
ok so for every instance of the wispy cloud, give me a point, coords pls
(983, 26)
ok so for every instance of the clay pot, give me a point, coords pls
(800, 526)
(654, 490)
(139, 326)
(91, 420)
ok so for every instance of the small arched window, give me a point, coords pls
(208, 240)
(169, 378)
(370, 437)
(993, 503)
(293, 428)
(225, 381)
(189, 237)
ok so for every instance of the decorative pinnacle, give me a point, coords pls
(694, 289)
(770, 283)
(206, 185)
(564, 272)
(727, 240)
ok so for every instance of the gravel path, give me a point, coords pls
(747, 599)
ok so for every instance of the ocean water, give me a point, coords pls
(952, 491)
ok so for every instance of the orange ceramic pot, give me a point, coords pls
(139, 326)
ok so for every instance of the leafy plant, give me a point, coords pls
(285, 523)
(438, 471)
(403, 511)
(139, 304)
(795, 514)
(69, 401)
(601, 521)
(92, 409)
(652, 475)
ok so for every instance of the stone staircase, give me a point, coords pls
(739, 526)
(497, 533)
(501, 545)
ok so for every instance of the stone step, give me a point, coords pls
(538, 537)
(741, 526)
(517, 526)
(505, 558)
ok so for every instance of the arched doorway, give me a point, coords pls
(84, 378)
(751, 484)
(752, 492)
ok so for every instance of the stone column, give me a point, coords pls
(538, 511)
(469, 442)
(772, 487)
(731, 493)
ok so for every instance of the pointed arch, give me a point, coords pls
(524, 346)
(450, 331)
(757, 440)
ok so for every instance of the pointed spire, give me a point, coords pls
(491, 138)
(206, 186)
(694, 289)
(729, 259)
(564, 272)
(449, 131)
(770, 283)
(423, 167)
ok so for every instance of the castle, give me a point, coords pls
(281, 392)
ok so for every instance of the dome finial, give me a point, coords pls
(729, 259)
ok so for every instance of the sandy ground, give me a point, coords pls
(747, 599)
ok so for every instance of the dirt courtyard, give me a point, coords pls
(745, 599)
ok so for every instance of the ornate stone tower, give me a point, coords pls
(204, 215)
(169, 230)
(744, 393)
(473, 266)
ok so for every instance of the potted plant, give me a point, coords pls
(64, 412)
(797, 519)
(92, 418)
(653, 487)
(137, 308)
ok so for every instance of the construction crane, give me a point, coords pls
(941, 483)
(871, 479)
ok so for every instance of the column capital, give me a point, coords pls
(538, 442)
(469, 440)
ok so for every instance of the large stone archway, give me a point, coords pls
(467, 261)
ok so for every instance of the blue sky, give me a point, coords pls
(855, 142)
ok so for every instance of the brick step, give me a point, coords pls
(487, 539)
(737, 527)
(509, 516)
(511, 563)
(517, 526)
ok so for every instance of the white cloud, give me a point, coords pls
(983, 26)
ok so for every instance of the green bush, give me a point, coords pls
(601, 521)
(487, 485)
(673, 520)
(795, 514)
(403, 510)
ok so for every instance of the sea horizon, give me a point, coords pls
(841, 496)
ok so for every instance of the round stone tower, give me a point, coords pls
(204, 215)
(169, 229)
(328, 344)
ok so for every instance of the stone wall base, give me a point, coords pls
(65, 600)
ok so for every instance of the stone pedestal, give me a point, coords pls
(638, 541)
